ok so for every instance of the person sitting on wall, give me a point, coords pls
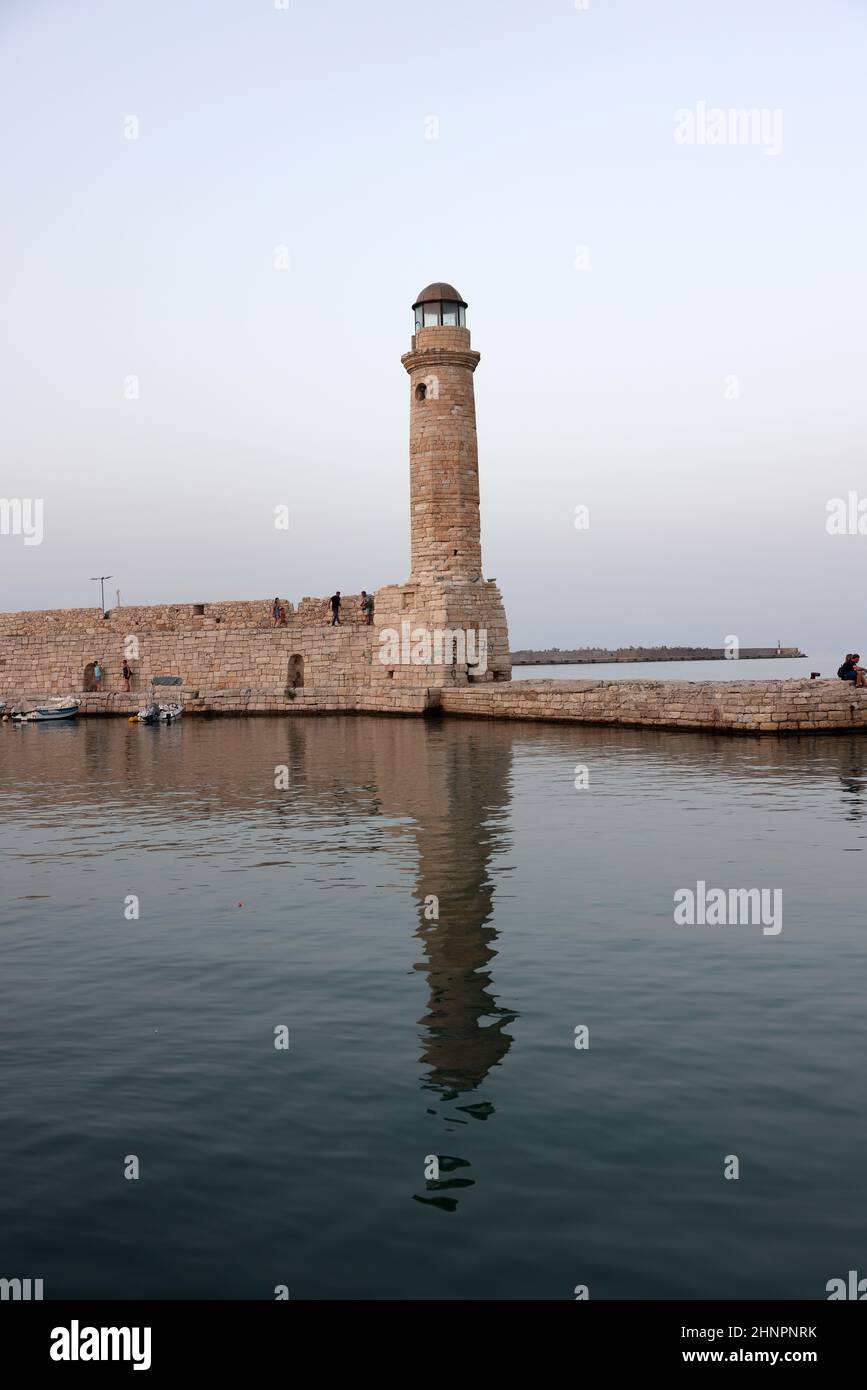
(851, 671)
(366, 606)
(335, 609)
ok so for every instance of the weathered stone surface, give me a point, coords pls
(730, 706)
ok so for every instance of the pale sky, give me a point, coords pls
(605, 373)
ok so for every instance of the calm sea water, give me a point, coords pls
(410, 1036)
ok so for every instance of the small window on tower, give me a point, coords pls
(421, 391)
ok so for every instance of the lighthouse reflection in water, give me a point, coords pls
(428, 911)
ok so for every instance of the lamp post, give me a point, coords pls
(100, 580)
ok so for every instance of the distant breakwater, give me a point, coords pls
(590, 656)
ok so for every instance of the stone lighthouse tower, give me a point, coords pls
(443, 451)
(446, 591)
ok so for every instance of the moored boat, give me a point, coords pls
(154, 713)
(63, 707)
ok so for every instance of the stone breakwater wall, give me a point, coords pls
(230, 657)
(246, 700)
(740, 707)
(588, 656)
(175, 617)
(233, 669)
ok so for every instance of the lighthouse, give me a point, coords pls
(447, 617)
(445, 533)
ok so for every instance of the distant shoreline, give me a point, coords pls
(590, 656)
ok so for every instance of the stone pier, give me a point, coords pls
(735, 707)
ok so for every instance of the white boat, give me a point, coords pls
(63, 707)
(153, 713)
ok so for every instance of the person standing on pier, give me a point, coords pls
(126, 674)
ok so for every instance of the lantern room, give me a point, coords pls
(440, 306)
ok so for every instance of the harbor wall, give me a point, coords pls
(230, 657)
(250, 615)
(740, 707)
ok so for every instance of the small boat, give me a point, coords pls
(63, 707)
(154, 713)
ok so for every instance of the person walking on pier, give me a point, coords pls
(335, 609)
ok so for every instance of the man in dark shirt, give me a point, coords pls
(335, 609)
(850, 670)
